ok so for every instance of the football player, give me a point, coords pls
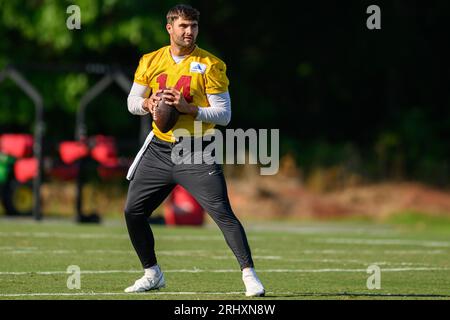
(194, 82)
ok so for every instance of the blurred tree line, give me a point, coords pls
(373, 101)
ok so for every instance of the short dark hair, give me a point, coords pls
(184, 11)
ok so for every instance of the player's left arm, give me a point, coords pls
(216, 88)
(219, 111)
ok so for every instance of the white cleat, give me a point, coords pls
(147, 283)
(253, 286)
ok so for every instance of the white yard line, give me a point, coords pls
(162, 293)
(231, 257)
(422, 243)
(321, 229)
(195, 270)
(419, 252)
(15, 248)
(112, 236)
(22, 251)
(188, 253)
(203, 253)
(66, 294)
(62, 235)
(19, 250)
(371, 252)
(361, 262)
(353, 270)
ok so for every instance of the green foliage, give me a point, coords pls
(105, 23)
(35, 33)
(72, 86)
(13, 108)
(313, 71)
(5, 167)
(304, 69)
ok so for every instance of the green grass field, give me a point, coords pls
(295, 260)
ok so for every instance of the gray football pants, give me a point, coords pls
(154, 179)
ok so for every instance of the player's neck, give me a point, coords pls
(180, 51)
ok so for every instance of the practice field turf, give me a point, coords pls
(294, 261)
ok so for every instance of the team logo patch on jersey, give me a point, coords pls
(198, 67)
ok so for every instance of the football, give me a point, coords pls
(166, 116)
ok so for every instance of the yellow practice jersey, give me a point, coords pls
(198, 74)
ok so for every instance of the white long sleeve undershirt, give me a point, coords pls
(136, 97)
(219, 111)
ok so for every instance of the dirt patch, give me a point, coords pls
(280, 196)
(288, 197)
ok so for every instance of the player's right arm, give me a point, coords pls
(140, 102)
(141, 99)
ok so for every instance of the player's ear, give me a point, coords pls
(169, 28)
